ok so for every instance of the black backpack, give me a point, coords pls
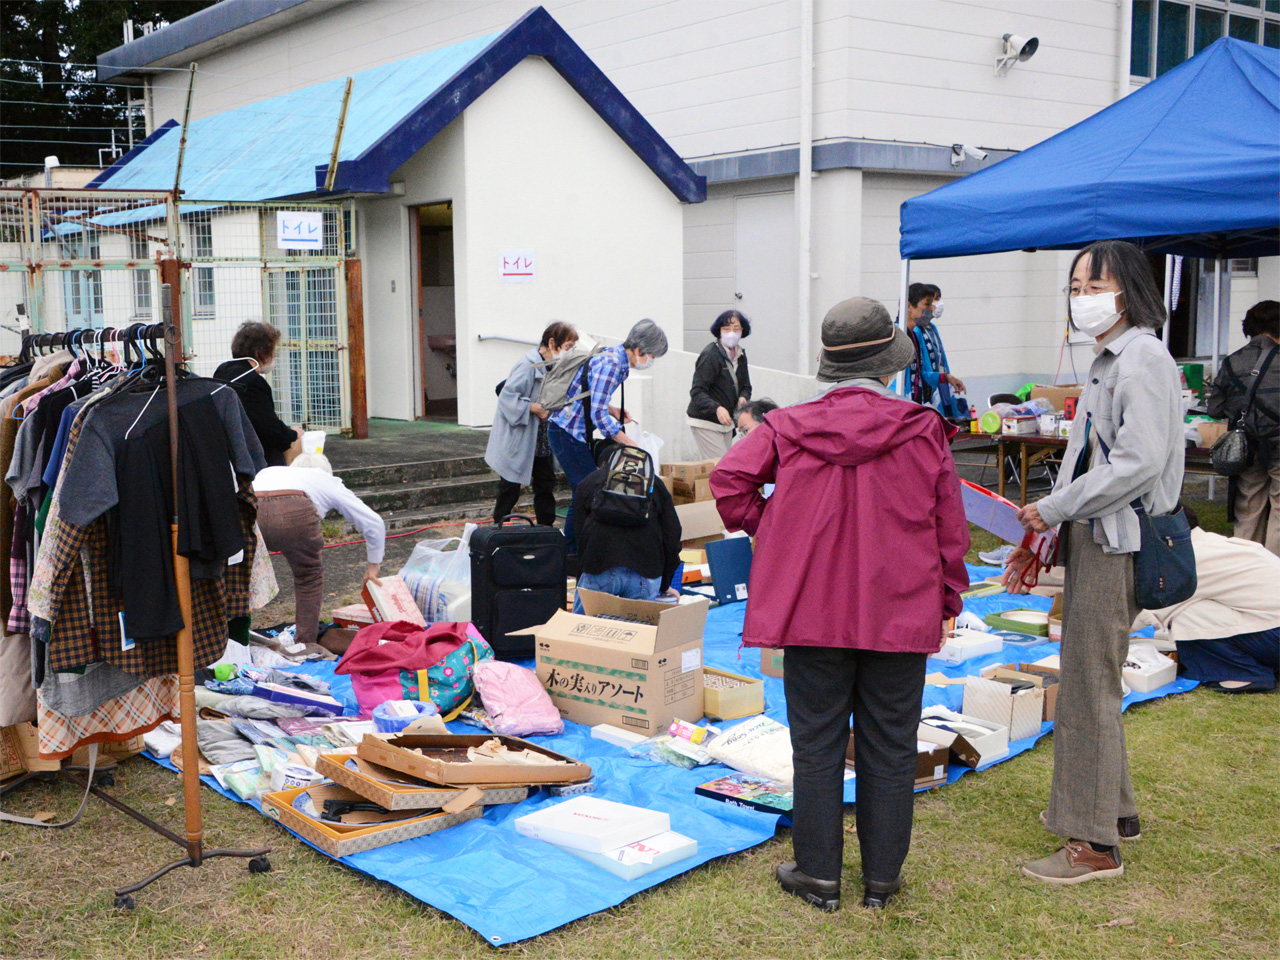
(624, 500)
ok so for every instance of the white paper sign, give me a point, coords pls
(690, 660)
(517, 266)
(741, 590)
(299, 231)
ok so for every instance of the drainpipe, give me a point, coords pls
(1168, 296)
(1125, 41)
(148, 106)
(804, 183)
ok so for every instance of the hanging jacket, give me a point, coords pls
(862, 543)
(714, 385)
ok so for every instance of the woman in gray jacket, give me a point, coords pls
(518, 450)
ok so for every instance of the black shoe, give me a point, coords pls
(823, 894)
(1129, 828)
(877, 895)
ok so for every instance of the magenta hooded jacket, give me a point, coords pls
(862, 543)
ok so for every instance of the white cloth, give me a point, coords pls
(1235, 592)
(327, 493)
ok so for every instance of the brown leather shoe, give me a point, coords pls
(1076, 862)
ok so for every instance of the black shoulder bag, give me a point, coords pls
(601, 448)
(1236, 450)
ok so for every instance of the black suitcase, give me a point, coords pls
(517, 581)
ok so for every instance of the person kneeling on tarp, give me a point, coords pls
(1228, 633)
(292, 501)
(628, 534)
(854, 590)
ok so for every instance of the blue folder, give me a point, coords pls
(730, 563)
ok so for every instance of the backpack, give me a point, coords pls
(560, 379)
(624, 499)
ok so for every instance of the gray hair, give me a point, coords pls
(316, 461)
(647, 337)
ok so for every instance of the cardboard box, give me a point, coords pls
(20, 752)
(1058, 395)
(962, 645)
(1019, 426)
(344, 841)
(1033, 674)
(931, 762)
(398, 753)
(771, 661)
(398, 791)
(988, 743)
(1055, 619)
(636, 664)
(109, 752)
(684, 491)
(1211, 432)
(744, 699)
(699, 522)
(687, 471)
(353, 615)
(986, 698)
(592, 824)
(391, 599)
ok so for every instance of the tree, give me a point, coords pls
(51, 102)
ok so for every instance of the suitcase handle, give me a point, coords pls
(519, 516)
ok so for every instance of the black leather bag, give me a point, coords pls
(601, 447)
(517, 581)
(1236, 450)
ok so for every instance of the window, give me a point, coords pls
(202, 248)
(139, 251)
(1243, 267)
(1166, 32)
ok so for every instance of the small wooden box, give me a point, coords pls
(722, 702)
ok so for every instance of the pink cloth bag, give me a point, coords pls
(515, 700)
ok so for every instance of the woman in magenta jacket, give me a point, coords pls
(859, 558)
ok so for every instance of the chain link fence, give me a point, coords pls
(90, 259)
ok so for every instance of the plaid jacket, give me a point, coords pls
(78, 612)
(605, 371)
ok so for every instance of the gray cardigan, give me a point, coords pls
(514, 436)
(1134, 398)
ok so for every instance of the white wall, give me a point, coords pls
(606, 232)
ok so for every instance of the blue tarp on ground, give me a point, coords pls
(1187, 164)
(508, 888)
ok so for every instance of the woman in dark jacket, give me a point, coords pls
(721, 385)
(254, 350)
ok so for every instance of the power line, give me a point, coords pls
(54, 103)
(74, 143)
(78, 126)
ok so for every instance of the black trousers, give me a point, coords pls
(543, 483)
(883, 693)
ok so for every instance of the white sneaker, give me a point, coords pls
(997, 557)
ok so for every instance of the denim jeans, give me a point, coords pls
(620, 582)
(576, 461)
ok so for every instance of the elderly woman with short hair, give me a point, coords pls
(721, 385)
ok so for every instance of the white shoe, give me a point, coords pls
(997, 557)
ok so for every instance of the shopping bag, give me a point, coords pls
(651, 444)
(440, 578)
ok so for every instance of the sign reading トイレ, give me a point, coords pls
(299, 231)
(517, 266)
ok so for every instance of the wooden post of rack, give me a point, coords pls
(355, 350)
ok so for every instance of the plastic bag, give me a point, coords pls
(651, 444)
(440, 578)
(515, 700)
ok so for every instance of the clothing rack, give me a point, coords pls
(140, 335)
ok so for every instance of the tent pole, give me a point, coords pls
(804, 188)
(1217, 324)
(1168, 296)
(900, 384)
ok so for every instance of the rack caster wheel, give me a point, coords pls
(259, 865)
(125, 902)
(107, 780)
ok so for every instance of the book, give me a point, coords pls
(277, 693)
(754, 793)
(591, 824)
(641, 857)
(730, 562)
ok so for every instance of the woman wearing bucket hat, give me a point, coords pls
(857, 621)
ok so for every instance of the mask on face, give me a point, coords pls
(266, 368)
(937, 309)
(926, 315)
(1095, 315)
(730, 338)
(644, 364)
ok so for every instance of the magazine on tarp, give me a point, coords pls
(754, 793)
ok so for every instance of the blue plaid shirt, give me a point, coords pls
(605, 371)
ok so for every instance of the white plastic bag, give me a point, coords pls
(439, 578)
(651, 444)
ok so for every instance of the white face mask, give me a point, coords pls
(1095, 315)
(266, 368)
(730, 338)
(937, 309)
(644, 364)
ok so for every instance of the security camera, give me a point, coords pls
(1016, 49)
(961, 150)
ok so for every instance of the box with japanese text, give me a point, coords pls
(687, 471)
(771, 661)
(696, 491)
(636, 664)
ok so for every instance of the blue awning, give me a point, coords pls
(1188, 164)
(280, 148)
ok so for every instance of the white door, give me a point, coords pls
(766, 262)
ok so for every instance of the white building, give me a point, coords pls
(893, 85)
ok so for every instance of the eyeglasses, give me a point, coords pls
(1088, 290)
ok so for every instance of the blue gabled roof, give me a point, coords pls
(280, 147)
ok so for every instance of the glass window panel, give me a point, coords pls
(1243, 28)
(1273, 6)
(1208, 27)
(1171, 42)
(1140, 42)
(1271, 35)
(1247, 3)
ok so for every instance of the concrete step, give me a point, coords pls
(480, 511)
(418, 496)
(421, 471)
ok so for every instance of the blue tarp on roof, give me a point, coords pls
(1188, 164)
(280, 147)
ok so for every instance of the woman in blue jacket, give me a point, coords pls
(930, 374)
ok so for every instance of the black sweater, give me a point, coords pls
(713, 384)
(274, 434)
(651, 551)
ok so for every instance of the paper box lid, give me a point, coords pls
(664, 626)
(699, 519)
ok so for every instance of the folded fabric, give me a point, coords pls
(256, 708)
(220, 743)
(163, 740)
(515, 700)
(238, 687)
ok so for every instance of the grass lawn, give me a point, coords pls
(1202, 882)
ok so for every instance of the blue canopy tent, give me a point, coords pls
(1188, 164)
